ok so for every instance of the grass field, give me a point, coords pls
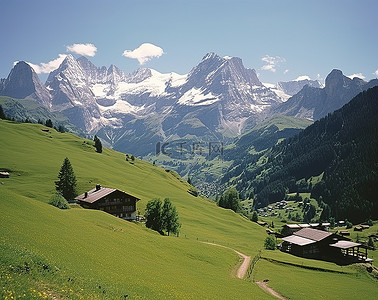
(84, 254)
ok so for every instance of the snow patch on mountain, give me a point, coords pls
(122, 107)
(195, 97)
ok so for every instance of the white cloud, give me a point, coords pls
(272, 62)
(303, 77)
(376, 72)
(144, 53)
(82, 49)
(358, 75)
(48, 67)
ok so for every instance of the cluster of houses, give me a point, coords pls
(271, 209)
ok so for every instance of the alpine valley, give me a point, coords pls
(270, 155)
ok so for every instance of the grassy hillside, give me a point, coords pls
(84, 254)
(97, 249)
(22, 109)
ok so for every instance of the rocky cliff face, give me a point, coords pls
(22, 82)
(72, 95)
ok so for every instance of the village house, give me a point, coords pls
(4, 174)
(319, 244)
(118, 203)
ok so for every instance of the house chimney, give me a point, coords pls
(98, 187)
(86, 195)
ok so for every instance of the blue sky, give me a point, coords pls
(281, 40)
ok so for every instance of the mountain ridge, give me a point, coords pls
(217, 100)
(313, 102)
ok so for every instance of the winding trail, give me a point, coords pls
(264, 285)
(244, 268)
(246, 260)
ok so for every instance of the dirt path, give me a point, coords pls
(246, 260)
(264, 285)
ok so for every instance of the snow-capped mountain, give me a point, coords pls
(218, 100)
(71, 94)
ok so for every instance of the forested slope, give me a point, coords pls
(342, 147)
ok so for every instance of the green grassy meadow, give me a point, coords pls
(84, 254)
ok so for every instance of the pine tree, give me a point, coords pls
(66, 184)
(2, 114)
(49, 123)
(170, 217)
(61, 129)
(255, 216)
(98, 144)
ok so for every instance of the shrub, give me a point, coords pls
(371, 243)
(58, 201)
(348, 224)
(270, 243)
(160, 217)
(369, 222)
(254, 217)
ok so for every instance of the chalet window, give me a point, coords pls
(128, 208)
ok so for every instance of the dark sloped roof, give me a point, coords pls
(93, 195)
(96, 194)
(313, 234)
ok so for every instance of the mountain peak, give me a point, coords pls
(335, 73)
(335, 81)
(85, 63)
(69, 59)
(211, 55)
(22, 82)
(139, 75)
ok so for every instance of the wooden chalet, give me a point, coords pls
(118, 203)
(319, 244)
